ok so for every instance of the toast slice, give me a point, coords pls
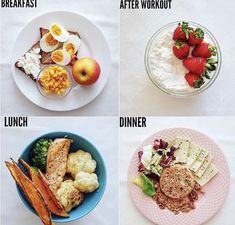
(46, 56)
(33, 77)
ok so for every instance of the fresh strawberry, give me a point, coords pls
(182, 32)
(194, 80)
(196, 37)
(199, 65)
(181, 49)
(204, 50)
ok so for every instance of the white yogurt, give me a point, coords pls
(166, 69)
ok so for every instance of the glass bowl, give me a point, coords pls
(52, 95)
(190, 91)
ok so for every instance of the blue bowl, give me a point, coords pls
(91, 199)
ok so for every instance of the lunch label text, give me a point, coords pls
(13, 121)
(132, 121)
(145, 4)
(19, 3)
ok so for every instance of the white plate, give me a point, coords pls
(93, 45)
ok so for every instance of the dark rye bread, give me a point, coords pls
(36, 45)
(46, 56)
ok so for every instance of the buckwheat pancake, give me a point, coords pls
(177, 182)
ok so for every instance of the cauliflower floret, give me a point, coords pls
(86, 182)
(80, 161)
(69, 196)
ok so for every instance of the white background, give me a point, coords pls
(219, 129)
(102, 132)
(103, 13)
(139, 96)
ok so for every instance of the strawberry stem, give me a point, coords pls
(213, 50)
(199, 33)
(211, 65)
(186, 29)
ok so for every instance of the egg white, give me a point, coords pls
(63, 36)
(45, 47)
(75, 40)
(66, 57)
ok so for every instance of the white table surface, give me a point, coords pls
(102, 13)
(102, 132)
(139, 96)
(220, 129)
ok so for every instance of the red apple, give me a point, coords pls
(86, 71)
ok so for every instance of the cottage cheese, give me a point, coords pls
(166, 69)
(31, 62)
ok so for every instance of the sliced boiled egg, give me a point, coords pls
(59, 33)
(61, 57)
(72, 45)
(48, 43)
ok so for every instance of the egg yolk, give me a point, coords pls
(56, 30)
(57, 56)
(50, 40)
(70, 48)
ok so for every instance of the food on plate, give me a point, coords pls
(54, 80)
(29, 63)
(80, 161)
(47, 193)
(38, 154)
(204, 50)
(182, 32)
(46, 56)
(196, 37)
(86, 71)
(181, 49)
(69, 196)
(174, 173)
(72, 45)
(86, 182)
(55, 191)
(61, 57)
(56, 161)
(145, 184)
(177, 182)
(31, 193)
(59, 33)
(41, 52)
(188, 43)
(48, 43)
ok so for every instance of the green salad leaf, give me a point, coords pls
(145, 184)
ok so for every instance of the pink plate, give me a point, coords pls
(206, 206)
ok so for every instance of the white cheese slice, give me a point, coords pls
(210, 172)
(193, 153)
(204, 166)
(156, 159)
(199, 160)
(181, 153)
(147, 156)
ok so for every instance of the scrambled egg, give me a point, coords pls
(69, 196)
(86, 182)
(80, 161)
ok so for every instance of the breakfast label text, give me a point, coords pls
(145, 4)
(14, 121)
(132, 121)
(19, 3)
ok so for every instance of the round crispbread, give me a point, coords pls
(177, 182)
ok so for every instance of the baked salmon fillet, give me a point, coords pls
(56, 162)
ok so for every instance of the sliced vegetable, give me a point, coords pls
(51, 200)
(31, 193)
